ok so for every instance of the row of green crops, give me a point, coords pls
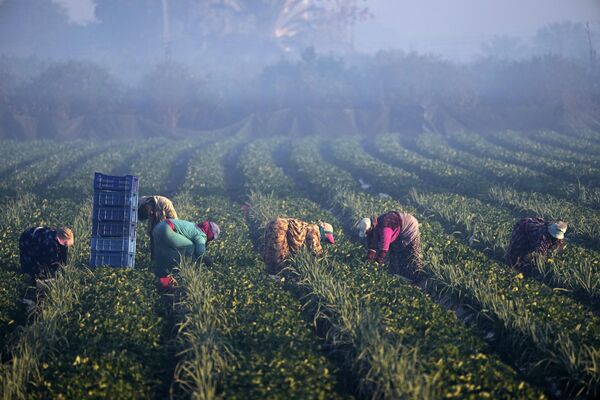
(557, 140)
(557, 336)
(36, 176)
(399, 342)
(584, 223)
(559, 169)
(520, 142)
(116, 333)
(483, 226)
(19, 214)
(79, 184)
(38, 340)
(328, 327)
(521, 177)
(436, 146)
(154, 166)
(581, 218)
(267, 349)
(18, 155)
(487, 227)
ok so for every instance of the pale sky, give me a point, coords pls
(439, 26)
(79, 11)
(415, 23)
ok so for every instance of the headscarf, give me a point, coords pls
(326, 230)
(211, 229)
(557, 230)
(364, 225)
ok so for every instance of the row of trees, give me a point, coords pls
(176, 95)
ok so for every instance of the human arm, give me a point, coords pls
(384, 243)
(199, 240)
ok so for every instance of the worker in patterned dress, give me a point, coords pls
(531, 241)
(288, 235)
(42, 250)
(155, 209)
(175, 238)
(396, 233)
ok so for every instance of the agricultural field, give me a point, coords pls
(332, 327)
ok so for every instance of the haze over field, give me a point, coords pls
(357, 66)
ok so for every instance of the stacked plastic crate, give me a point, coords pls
(114, 220)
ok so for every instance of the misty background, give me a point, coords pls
(114, 68)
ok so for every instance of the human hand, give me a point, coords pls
(381, 257)
(371, 255)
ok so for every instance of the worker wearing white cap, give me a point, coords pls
(534, 238)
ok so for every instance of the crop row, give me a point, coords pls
(575, 269)
(520, 142)
(29, 348)
(566, 170)
(34, 177)
(78, 184)
(554, 331)
(19, 214)
(399, 342)
(524, 178)
(571, 142)
(456, 179)
(17, 155)
(584, 223)
(485, 226)
(273, 353)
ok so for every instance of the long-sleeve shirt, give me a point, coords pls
(390, 227)
(161, 208)
(288, 235)
(530, 235)
(40, 252)
(190, 231)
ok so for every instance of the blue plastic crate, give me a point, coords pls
(123, 259)
(113, 229)
(115, 199)
(126, 244)
(116, 214)
(118, 183)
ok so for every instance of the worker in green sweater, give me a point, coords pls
(174, 238)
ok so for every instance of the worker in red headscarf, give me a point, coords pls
(174, 238)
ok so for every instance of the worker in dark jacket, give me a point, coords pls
(43, 249)
(155, 209)
(396, 233)
(530, 242)
(174, 238)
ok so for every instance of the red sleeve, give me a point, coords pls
(386, 238)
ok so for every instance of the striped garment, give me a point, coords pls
(287, 235)
(530, 240)
(397, 232)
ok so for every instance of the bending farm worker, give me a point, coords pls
(174, 238)
(530, 242)
(155, 209)
(287, 235)
(396, 233)
(43, 249)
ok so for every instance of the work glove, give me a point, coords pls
(371, 255)
(168, 282)
(207, 261)
(381, 256)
